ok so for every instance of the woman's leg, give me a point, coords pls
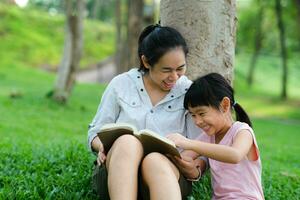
(161, 176)
(122, 164)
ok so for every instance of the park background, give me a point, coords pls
(43, 153)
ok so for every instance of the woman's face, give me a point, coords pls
(169, 68)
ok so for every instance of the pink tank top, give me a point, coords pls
(235, 181)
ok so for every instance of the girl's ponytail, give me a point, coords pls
(241, 114)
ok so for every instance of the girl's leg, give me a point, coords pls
(161, 176)
(122, 164)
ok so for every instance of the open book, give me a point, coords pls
(151, 141)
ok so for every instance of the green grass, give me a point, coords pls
(36, 38)
(43, 144)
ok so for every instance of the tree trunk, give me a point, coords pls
(257, 42)
(297, 3)
(134, 28)
(209, 26)
(119, 40)
(281, 29)
(72, 51)
(96, 8)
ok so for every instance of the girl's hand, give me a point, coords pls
(179, 140)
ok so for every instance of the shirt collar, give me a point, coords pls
(180, 88)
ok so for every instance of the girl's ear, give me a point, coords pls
(225, 104)
(145, 62)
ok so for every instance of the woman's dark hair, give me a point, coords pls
(209, 90)
(155, 41)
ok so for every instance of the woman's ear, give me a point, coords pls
(225, 104)
(145, 62)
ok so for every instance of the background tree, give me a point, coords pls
(297, 3)
(119, 41)
(128, 52)
(278, 9)
(210, 30)
(72, 50)
(96, 8)
(258, 37)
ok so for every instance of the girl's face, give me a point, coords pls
(211, 120)
(169, 68)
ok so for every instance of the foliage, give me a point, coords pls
(247, 13)
(43, 144)
(36, 38)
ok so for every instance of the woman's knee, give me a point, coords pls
(159, 163)
(153, 160)
(156, 166)
(127, 146)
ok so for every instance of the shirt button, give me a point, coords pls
(169, 107)
(172, 96)
(142, 90)
(138, 77)
(186, 89)
(151, 111)
(133, 103)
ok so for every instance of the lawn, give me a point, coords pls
(43, 144)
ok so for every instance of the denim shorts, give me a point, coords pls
(99, 185)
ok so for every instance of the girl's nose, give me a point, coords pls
(198, 121)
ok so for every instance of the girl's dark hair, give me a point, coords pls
(155, 41)
(209, 90)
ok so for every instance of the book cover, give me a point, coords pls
(151, 141)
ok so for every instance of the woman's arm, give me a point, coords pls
(108, 111)
(229, 154)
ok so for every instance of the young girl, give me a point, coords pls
(230, 145)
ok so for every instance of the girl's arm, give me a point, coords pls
(230, 154)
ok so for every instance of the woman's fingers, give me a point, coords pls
(101, 158)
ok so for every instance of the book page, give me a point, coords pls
(152, 142)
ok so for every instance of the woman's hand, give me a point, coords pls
(101, 158)
(98, 147)
(187, 166)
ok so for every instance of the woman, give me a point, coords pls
(149, 97)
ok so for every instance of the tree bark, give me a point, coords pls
(134, 27)
(96, 8)
(257, 42)
(119, 40)
(278, 9)
(209, 26)
(72, 51)
(297, 3)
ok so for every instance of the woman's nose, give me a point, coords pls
(174, 75)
